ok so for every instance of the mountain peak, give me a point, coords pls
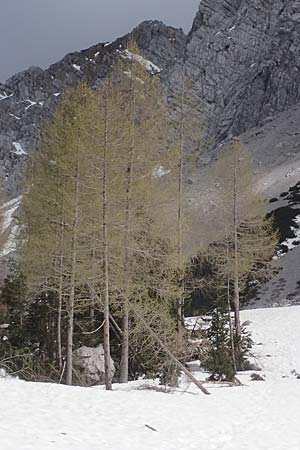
(243, 60)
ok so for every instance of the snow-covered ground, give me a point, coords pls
(256, 416)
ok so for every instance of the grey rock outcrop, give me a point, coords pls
(242, 57)
(245, 58)
(88, 365)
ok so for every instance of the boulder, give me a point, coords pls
(88, 365)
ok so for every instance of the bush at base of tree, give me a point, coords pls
(219, 358)
(243, 350)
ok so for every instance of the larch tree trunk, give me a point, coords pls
(71, 302)
(229, 315)
(130, 168)
(108, 381)
(236, 298)
(61, 274)
(60, 298)
(180, 304)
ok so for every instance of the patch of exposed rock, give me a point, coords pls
(242, 57)
(88, 366)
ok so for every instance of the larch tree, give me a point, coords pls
(144, 160)
(190, 140)
(106, 242)
(246, 243)
(56, 230)
(106, 182)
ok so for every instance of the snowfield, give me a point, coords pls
(256, 416)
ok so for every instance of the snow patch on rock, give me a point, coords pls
(31, 103)
(293, 242)
(15, 117)
(160, 172)
(149, 65)
(19, 149)
(4, 96)
(8, 210)
(10, 245)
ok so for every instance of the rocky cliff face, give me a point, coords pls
(243, 58)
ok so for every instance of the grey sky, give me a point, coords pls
(40, 32)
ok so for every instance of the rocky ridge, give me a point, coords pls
(242, 57)
(30, 97)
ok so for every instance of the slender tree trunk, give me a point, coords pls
(236, 298)
(229, 317)
(71, 301)
(108, 381)
(60, 298)
(59, 321)
(61, 274)
(168, 352)
(125, 319)
(125, 345)
(180, 304)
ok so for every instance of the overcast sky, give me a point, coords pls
(40, 32)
